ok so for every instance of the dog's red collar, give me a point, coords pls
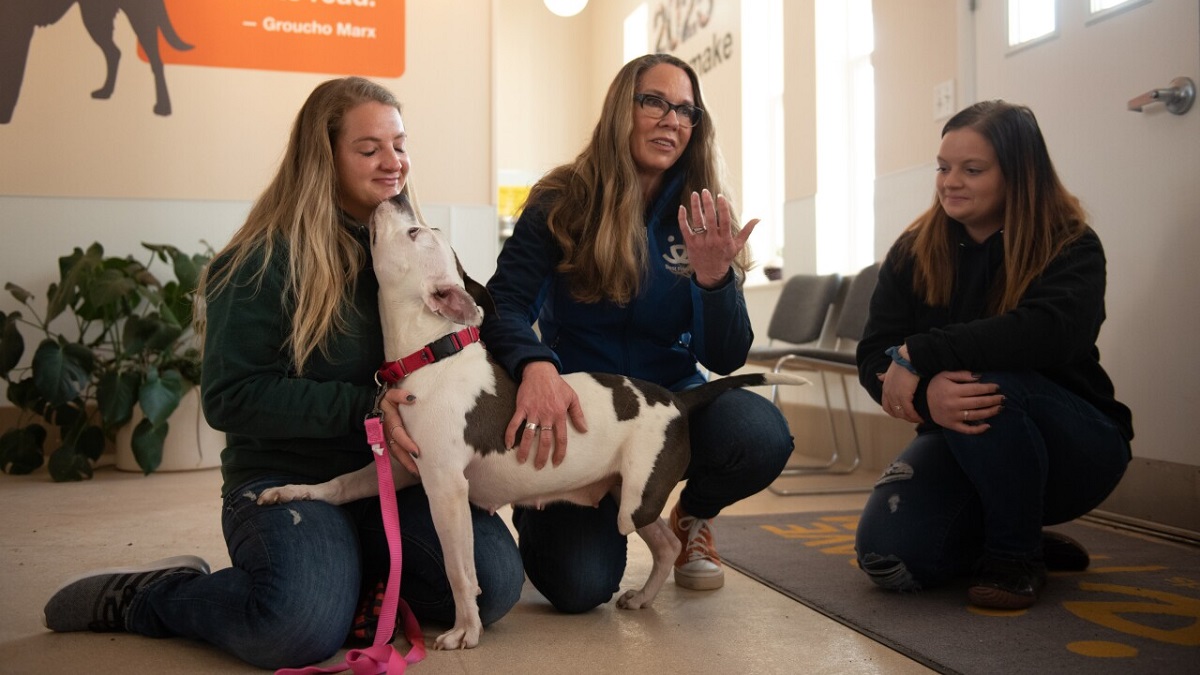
(447, 345)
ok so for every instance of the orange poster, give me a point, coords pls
(360, 37)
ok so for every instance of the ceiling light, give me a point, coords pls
(566, 7)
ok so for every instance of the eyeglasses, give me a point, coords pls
(656, 107)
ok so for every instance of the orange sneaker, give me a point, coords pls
(698, 566)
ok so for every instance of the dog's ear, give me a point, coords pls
(454, 303)
(480, 295)
(477, 290)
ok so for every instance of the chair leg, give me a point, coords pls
(813, 471)
(833, 458)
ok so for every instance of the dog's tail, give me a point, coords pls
(706, 393)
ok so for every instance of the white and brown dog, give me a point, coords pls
(636, 446)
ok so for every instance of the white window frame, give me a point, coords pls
(1014, 7)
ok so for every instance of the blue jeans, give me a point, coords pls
(298, 568)
(575, 556)
(950, 498)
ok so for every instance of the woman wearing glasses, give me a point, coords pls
(631, 260)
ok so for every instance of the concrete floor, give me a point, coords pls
(49, 532)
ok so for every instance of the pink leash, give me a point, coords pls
(381, 657)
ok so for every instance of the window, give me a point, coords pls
(1102, 5)
(845, 202)
(1031, 20)
(762, 189)
(1099, 10)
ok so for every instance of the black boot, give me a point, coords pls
(1000, 583)
(1062, 553)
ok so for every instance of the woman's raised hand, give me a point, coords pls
(708, 234)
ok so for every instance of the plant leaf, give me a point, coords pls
(73, 270)
(90, 443)
(116, 392)
(61, 370)
(147, 442)
(21, 449)
(24, 394)
(159, 395)
(109, 296)
(152, 333)
(23, 296)
(68, 464)
(66, 415)
(12, 345)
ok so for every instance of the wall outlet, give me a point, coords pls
(943, 100)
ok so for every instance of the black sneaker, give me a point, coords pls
(1006, 584)
(98, 600)
(1063, 554)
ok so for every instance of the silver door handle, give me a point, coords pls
(1178, 98)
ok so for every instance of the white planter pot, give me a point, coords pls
(190, 443)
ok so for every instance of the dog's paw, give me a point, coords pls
(634, 600)
(459, 638)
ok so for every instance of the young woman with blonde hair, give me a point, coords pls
(982, 332)
(292, 342)
(629, 265)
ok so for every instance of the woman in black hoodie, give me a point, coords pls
(982, 332)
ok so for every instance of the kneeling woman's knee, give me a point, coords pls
(501, 580)
(894, 561)
(298, 638)
(741, 418)
(888, 571)
(900, 566)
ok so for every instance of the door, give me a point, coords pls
(1138, 176)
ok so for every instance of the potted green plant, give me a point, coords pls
(127, 341)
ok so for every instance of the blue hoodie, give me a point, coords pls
(659, 336)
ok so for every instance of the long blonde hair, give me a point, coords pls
(299, 213)
(1040, 216)
(596, 205)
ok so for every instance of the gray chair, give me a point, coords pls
(799, 317)
(835, 354)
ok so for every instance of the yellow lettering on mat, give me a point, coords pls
(833, 535)
(1112, 614)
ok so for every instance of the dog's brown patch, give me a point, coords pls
(486, 422)
(669, 467)
(625, 404)
(624, 394)
(653, 393)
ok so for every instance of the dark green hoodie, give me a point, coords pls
(308, 427)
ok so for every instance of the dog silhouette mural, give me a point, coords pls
(20, 18)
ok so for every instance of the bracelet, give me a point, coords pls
(904, 363)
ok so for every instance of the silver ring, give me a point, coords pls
(966, 413)
(394, 428)
(550, 428)
(530, 426)
(698, 230)
(897, 408)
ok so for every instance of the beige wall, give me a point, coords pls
(546, 101)
(800, 101)
(915, 49)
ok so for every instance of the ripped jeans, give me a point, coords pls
(289, 598)
(1049, 457)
